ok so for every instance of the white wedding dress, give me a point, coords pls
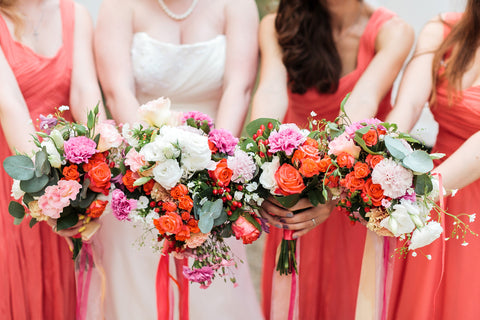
(191, 75)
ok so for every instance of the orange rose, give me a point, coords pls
(309, 168)
(95, 159)
(373, 160)
(361, 170)
(193, 225)
(178, 191)
(183, 234)
(128, 179)
(147, 187)
(297, 157)
(371, 137)
(353, 183)
(222, 173)
(332, 181)
(345, 160)
(311, 142)
(71, 172)
(99, 176)
(245, 230)
(96, 208)
(169, 206)
(289, 180)
(374, 191)
(324, 164)
(168, 223)
(185, 215)
(185, 203)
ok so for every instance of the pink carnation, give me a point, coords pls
(343, 143)
(122, 206)
(79, 149)
(287, 138)
(351, 129)
(109, 136)
(201, 275)
(242, 165)
(134, 160)
(223, 140)
(392, 177)
(199, 118)
(57, 197)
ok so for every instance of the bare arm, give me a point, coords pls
(241, 64)
(113, 37)
(392, 45)
(84, 89)
(270, 99)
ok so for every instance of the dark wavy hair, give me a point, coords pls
(461, 43)
(309, 52)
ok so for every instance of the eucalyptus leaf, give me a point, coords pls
(17, 221)
(42, 165)
(27, 198)
(419, 161)
(208, 213)
(221, 219)
(35, 184)
(396, 148)
(16, 209)
(423, 184)
(19, 167)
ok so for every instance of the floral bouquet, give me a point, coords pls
(293, 164)
(189, 185)
(68, 177)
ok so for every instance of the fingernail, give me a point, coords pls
(279, 226)
(294, 236)
(282, 220)
(289, 215)
(285, 226)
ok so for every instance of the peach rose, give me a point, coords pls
(185, 203)
(361, 170)
(352, 183)
(373, 160)
(178, 191)
(289, 180)
(169, 223)
(345, 160)
(308, 168)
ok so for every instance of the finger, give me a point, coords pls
(69, 243)
(302, 204)
(69, 232)
(301, 233)
(51, 222)
(309, 224)
(271, 219)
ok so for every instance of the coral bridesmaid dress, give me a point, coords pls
(448, 286)
(331, 254)
(36, 269)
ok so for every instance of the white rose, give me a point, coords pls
(426, 235)
(17, 193)
(53, 155)
(153, 151)
(196, 154)
(156, 112)
(167, 173)
(267, 178)
(399, 221)
(169, 149)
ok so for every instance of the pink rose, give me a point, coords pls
(134, 160)
(242, 228)
(343, 143)
(109, 136)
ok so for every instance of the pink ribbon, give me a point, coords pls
(83, 285)
(287, 235)
(441, 199)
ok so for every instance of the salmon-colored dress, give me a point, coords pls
(448, 286)
(36, 268)
(331, 254)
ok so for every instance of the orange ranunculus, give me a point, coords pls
(297, 157)
(324, 164)
(99, 176)
(178, 191)
(309, 168)
(222, 173)
(353, 183)
(183, 234)
(185, 215)
(169, 223)
(95, 159)
(289, 180)
(193, 225)
(373, 160)
(169, 206)
(345, 160)
(361, 170)
(374, 191)
(371, 137)
(71, 172)
(128, 179)
(185, 203)
(147, 187)
(311, 142)
(96, 208)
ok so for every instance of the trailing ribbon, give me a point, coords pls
(441, 199)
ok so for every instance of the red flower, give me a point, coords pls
(244, 229)
(361, 170)
(96, 208)
(99, 176)
(345, 160)
(128, 179)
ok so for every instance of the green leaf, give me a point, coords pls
(16, 209)
(90, 120)
(253, 126)
(85, 202)
(253, 221)
(42, 165)
(221, 219)
(19, 167)
(80, 129)
(208, 213)
(248, 145)
(32, 222)
(77, 246)
(423, 184)
(396, 148)
(344, 101)
(35, 184)
(97, 139)
(17, 221)
(96, 109)
(316, 197)
(27, 198)
(358, 139)
(288, 201)
(418, 161)
(226, 231)
(235, 215)
(67, 219)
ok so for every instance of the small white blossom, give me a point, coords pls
(429, 257)
(251, 187)
(313, 114)
(238, 195)
(472, 217)
(142, 202)
(414, 254)
(454, 192)
(17, 193)
(465, 243)
(63, 108)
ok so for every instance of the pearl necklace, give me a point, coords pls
(177, 16)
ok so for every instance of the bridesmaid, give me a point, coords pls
(313, 53)
(46, 61)
(445, 71)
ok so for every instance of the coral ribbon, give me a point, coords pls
(442, 222)
(83, 285)
(287, 235)
(164, 303)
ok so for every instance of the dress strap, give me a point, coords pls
(67, 10)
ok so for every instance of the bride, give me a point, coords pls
(203, 56)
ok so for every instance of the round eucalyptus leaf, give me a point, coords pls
(35, 184)
(19, 167)
(16, 209)
(419, 161)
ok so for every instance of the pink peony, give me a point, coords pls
(134, 160)
(393, 177)
(109, 136)
(201, 275)
(242, 228)
(122, 206)
(223, 140)
(57, 197)
(199, 118)
(287, 138)
(69, 189)
(79, 149)
(343, 143)
(242, 165)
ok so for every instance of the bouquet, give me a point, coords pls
(68, 176)
(189, 185)
(293, 164)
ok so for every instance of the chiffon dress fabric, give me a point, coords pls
(191, 75)
(36, 268)
(330, 255)
(448, 285)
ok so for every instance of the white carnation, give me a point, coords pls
(167, 173)
(426, 235)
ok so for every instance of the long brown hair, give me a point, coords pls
(7, 7)
(462, 42)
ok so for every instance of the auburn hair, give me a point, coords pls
(457, 51)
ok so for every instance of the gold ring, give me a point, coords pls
(314, 223)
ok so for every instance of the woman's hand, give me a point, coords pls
(301, 218)
(66, 233)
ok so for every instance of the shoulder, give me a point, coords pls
(82, 16)
(394, 31)
(267, 25)
(432, 34)
(246, 8)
